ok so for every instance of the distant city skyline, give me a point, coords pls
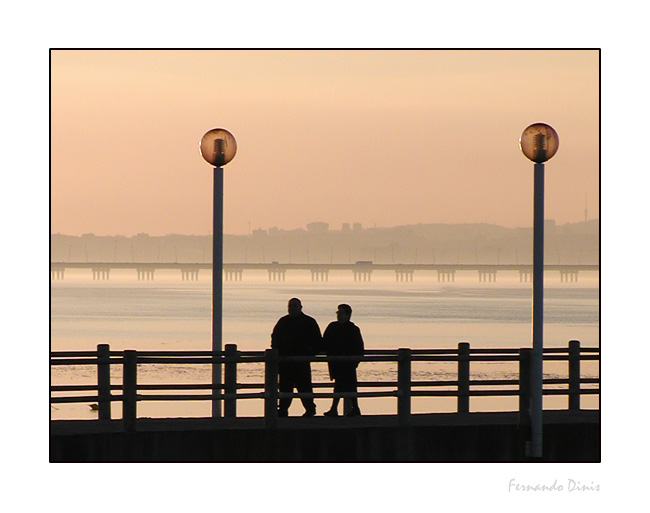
(344, 226)
(385, 137)
(442, 243)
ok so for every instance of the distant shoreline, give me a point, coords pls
(571, 243)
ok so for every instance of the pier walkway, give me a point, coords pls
(569, 435)
(440, 437)
(79, 427)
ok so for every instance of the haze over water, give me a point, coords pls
(171, 314)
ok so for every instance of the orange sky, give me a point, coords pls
(378, 137)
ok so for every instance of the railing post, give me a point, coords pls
(525, 359)
(271, 388)
(230, 381)
(574, 375)
(404, 386)
(104, 381)
(216, 384)
(463, 377)
(129, 390)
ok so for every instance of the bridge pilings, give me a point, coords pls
(145, 273)
(277, 274)
(568, 275)
(361, 272)
(446, 275)
(362, 275)
(189, 274)
(404, 274)
(233, 274)
(320, 274)
(487, 275)
(57, 273)
(101, 273)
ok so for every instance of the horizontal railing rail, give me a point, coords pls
(403, 387)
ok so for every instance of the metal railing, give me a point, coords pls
(231, 390)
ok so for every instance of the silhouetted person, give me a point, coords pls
(296, 334)
(343, 338)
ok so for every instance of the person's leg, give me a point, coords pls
(353, 388)
(304, 385)
(285, 385)
(349, 383)
(333, 411)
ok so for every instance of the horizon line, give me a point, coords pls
(328, 230)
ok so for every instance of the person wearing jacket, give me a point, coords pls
(296, 334)
(343, 338)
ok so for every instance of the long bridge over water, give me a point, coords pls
(361, 271)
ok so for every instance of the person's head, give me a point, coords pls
(343, 313)
(294, 307)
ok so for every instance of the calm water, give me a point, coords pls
(172, 314)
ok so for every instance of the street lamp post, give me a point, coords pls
(539, 142)
(218, 147)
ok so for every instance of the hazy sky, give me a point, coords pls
(377, 137)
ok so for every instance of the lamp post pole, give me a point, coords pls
(218, 147)
(539, 142)
(538, 313)
(217, 284)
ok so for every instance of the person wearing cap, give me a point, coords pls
(296, 334)
(343, 338)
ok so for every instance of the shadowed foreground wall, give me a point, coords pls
(570, 442)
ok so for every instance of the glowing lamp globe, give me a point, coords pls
(218, 147)
(539, 142)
